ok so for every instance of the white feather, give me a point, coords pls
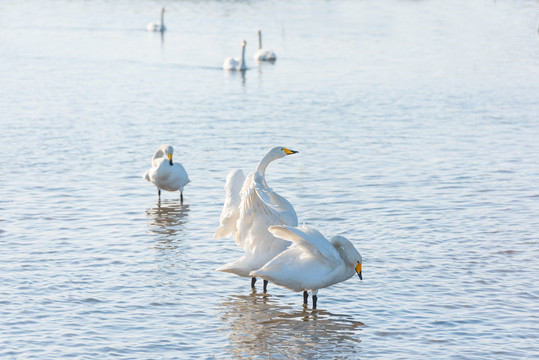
(263, 54)
(157, 25)
(231, 208)
(260, 207)
(312, 263)
(164, 175)
(236, 64)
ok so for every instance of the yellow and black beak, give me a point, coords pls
(358, 270)
(170, 159)
(289, 152)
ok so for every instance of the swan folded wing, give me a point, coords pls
(231, 208)
(309, 240)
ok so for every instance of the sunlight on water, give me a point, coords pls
(260, 326)
(416, 125)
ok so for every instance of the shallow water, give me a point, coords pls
(416, 125)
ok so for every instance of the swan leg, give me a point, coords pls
(315, 298)
(159, 193)
(181, 197)
(305, 297)
(253, 282)
(265, 285)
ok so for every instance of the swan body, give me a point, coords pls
(236, 64)
(157, 25)
(164, 173)
(251, 206)
(312, 262)
(263, 54)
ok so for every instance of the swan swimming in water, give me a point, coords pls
(312, 262)
(250, 207)
(236, 64)
(157, 26)
(262, 54)
(166, 174)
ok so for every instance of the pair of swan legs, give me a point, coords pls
(253, 281)
(305, 293)
(306, 297)
(181, 195)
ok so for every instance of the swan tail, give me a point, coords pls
(235, 268)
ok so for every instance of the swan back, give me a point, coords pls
(310, 241)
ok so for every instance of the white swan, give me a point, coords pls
(262, 54)
(165, 174)
(312, 263)
(237, 64)
(157, 26)
(247, 214)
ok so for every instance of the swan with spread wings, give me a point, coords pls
(250, 208)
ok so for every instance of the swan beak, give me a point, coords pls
(289, 152)
(170, 159)
(358, 270)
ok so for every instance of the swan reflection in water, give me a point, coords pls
(166, 219)
(261, 326)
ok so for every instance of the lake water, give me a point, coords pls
(417, 126)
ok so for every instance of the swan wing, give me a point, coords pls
(231, 208)
(261, 208)
(309, 240)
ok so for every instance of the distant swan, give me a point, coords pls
(251, 206)
(157, 26)
(262, 54)
(237, 64)
(312, 263)
(165, 174)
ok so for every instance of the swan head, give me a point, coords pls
(274, 154)
(162, 10)
(348, 253)
(244, 43)
(168, 150)
(279, 152)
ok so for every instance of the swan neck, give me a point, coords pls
(158, 154)
(242, 64)
(263, 164)
(259, 40)
(162, 19)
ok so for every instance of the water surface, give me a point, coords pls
(416, 125)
